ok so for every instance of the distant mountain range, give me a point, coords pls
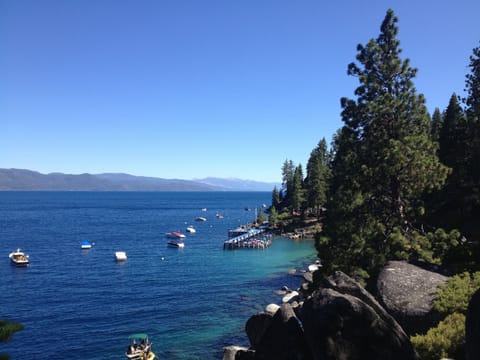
(20, 179)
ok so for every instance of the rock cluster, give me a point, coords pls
(336, 318)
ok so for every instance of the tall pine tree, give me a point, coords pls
(318, 174)
(298, 192)
(472, 103)
(388, 163)
(437, 122)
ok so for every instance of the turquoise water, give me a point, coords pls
(81, 304)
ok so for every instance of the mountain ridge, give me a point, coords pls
(25, 180)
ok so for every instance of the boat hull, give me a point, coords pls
(176, 244)
(20, 263)
(151, 356)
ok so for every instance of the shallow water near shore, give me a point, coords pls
(81, 304)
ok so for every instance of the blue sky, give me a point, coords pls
(194, 88)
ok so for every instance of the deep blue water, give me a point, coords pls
(81, 304)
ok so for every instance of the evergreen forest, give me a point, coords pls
(396, 183)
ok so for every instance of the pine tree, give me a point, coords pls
(472, 103)
(472, 87)
(388, 163)
(453, 135)
(288, 172)
(444, 207)
(298, 192)
(437, 123)
(273, 217)
(275, 198)
(318, 174)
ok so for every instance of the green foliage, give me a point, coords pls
(472, 86)
(261, 217)
(273, 217)
(297, 192)
(437, 123)
(7, 329)
(442, 341)
(455, 295)
(384, 160)
(288, 173)
(447, 338)
(275, 198)
(318, 175)
(457, 205)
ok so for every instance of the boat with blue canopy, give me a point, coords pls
(86, 245)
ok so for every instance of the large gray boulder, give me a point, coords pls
(344, 284)
(472, 328)
(407, 292)
(256, 327)
(283, 339)
(341, 326)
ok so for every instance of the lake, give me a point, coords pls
(81, 304)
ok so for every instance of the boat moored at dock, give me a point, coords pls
(248, 238)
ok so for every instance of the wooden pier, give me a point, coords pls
(248, 239)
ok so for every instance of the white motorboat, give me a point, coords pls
(200, 218)
(176, 244)
(190, 229)
(120, 256)
(19, 258)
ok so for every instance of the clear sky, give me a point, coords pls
(194, 88)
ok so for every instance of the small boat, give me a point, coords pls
(204, 209)
(120, 256)
(200, 218)
(175, 235)
(176, 244)
(190, 229)
(219, 216)
(19, 258)
(140, 348)
(86, 245)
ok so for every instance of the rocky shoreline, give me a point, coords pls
(336, 318)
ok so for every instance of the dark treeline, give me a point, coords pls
(396, 183)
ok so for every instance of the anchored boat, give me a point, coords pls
(175, 235)
(140, 348)
(19, 258)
